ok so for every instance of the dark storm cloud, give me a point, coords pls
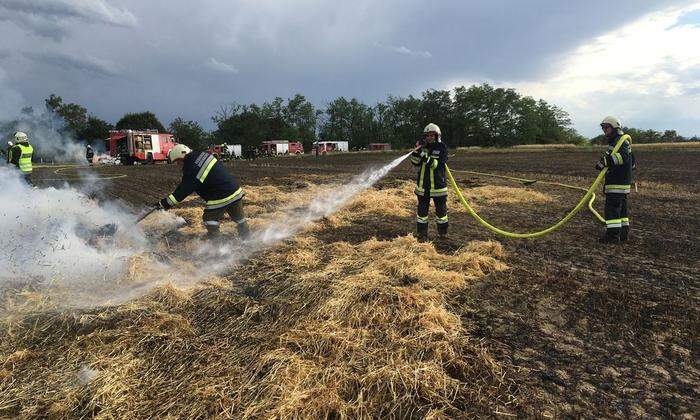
(52, 18)
(82, 64)
(187, 58)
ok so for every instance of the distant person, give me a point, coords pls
(89, 155)
(21, 155)
(431, 156)
(618, 180)
(202, 173)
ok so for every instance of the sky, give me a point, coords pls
(638, 60)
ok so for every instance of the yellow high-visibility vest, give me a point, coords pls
(25, 160)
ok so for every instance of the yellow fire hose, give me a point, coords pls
(588, 197)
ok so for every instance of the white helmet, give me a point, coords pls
(20, 137)
(89, 147)
(9, 143)
(612, 121)
(432, 128)
(178, 152)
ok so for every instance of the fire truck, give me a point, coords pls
(226, 151)
(323, 147)
(280, 147)
(143, 146)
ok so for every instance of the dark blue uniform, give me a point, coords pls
(204, 174)
(431, 183)
(618, 180)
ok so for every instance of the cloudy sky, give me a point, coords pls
(636, 59)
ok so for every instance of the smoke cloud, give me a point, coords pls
(46, 135)
(50, 238)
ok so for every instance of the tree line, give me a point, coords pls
(648, 136)
(479, 115)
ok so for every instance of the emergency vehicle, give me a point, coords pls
(139, 146)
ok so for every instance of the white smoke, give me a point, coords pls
(46, 133)
(48, 235)
(48, 241)
(323, 205)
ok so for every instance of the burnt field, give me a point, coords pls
(354, 317)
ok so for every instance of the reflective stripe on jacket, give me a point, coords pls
(431, 179)
(618, 178)
(24, 163)
(204, 174)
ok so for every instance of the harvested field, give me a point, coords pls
(352, 317)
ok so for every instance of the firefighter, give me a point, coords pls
(430, 156)
(204, 174)
(21, 154)
(89, 154)
(618, 180)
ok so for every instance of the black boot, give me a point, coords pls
(422, 232)
(624, 233)
(442, 229)
(610, 236)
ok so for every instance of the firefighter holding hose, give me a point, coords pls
(430, 156)
(204, 174)
(618, 180)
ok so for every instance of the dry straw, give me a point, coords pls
(305, 330)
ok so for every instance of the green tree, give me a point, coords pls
(190, 133)
(350, 121)
(95, 130)
(436, 106)
(74, 116)
(140, 121)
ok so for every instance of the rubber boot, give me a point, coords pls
(624, 233)
(442, 229)
(422, 232)
(243, 230)
(610, 236)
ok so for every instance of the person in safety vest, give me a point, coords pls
(204, 174)
(21, 154)
(430, 156)
(89, 154)
(618, 180)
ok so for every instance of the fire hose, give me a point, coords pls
(589, 197)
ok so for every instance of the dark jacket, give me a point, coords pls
(89, 154)
(619, 176)
(431, 179)
(203, 174)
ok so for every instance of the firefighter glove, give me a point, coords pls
(424, 154)
(600, 165)
(162, 205)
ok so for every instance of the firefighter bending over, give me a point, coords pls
(21, 154)
(204, 174)
(618, 180)
(431, 156)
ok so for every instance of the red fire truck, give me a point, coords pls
(280, 147)
(144, 146)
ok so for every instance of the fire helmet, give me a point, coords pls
(614, 122)
(432, 128)
(20, 137)
(178, 152)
